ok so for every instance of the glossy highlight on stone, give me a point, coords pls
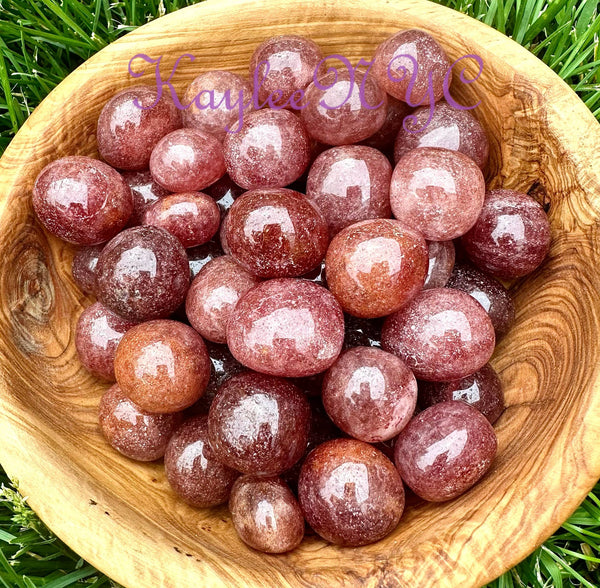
(187, 160)
(143, 274)
(131, 124)
(276, 233)
(449, 128)
(445, 450)
(135, 433)
(370, 394)
(350, 493)
(272, 150)
(482, 390)
(258, 424)
(145, 192)
(218, 101)
(438, 192)
(192, 468)
(213, 295)
(163, 366)
(511, 237)
(338, 112)
(266, 514)
(348, 184)
(82, 200)
(441, 262)
(286, 327)
(489, 292)
(394, 72)
(442, 335)
(83, 268)
(192, 217)
(375, 267)
(97, 336)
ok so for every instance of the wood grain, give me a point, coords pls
(121, 516)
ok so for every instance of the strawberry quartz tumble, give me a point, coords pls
(441, 263)
(83, 268)
(287, 327)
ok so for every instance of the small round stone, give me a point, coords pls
(287, 327)
(258, 424)
(489, 292)
(145, 192)
(143, 274)
(218, 101)
(482, 390)
(131, 123)
(82, 200)
(192, 468)
(449, 128)
(266, 514)
(442, 335)
(284, 66)
(132, 431)
(350, 493)
(445, 450)
(192, 217)
(187, 160)
(350, 183)
(272, 150)
(97, 336)
(276, 233)
(511, 237)
(441, 262)
(341, 110)
(162, 366)
(437, 191)
(395, 72)
(385, 137)
(375, 267)
(213, 295)
(224, 192)
(83, 268)
(199, 256)
(370, 394)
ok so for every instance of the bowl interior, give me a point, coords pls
(121, 515)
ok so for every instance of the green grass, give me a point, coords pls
(41, 41)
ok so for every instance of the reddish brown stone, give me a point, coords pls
(441, 263)
(83, 268)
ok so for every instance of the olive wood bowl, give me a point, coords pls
(121, 515)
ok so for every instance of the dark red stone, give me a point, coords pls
(83, 268)
(145, 192)
(385, 137)
(441, 263)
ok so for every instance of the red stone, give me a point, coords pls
(83, 268)
(441, 263)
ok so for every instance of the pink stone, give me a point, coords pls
(375, 267)
(187, 160)
(445, 450)
(276, 233)
(449, 128)
(350, 183)
(394, 73)
(131, 124)
(84, 267)
(437, 191)
(370, 394)
(192, 217)
(350, 493)
(511, 237)
(213, 295)
(442, 335)
(286, 327)
(82, 200)
(482, 390)
(489, 292)
(218, 101)
(258, 424)
(265, 514)
(192, 469)
(285, 66)
(338, 112)
(135, 433)
(97, 336)
(385, 137)
(145, 192)
(272, 150)
(441, 263)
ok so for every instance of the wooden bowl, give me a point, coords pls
(121, 516)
